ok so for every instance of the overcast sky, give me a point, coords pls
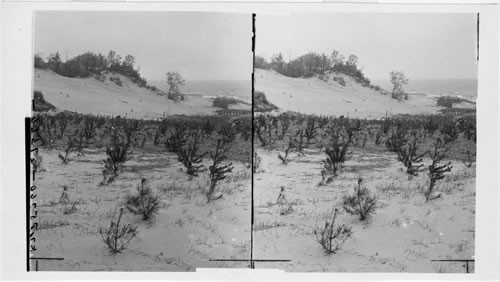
(201, 46)
(424, 46)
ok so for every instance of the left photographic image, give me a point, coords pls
(142, 121)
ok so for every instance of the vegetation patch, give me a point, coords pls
(40, 104)
(448, 101)
(224, 102)
(261, 104)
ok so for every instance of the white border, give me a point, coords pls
(16, 76)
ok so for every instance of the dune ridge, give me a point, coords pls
(327, 96)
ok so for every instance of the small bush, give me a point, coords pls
(116, 80)
(175, 96)
(117, 155)
(143, 203)
(448, 101)
(396, 140)
(100, 77)
(256, 162)
(299, 142)
(336, 154)
(40, 104)
(261, 104)
(69, 146)
(311, 129)
(218, 171)
(332, 236)
(340, 80)
(410, 157)
(227, 133)
(70, 208)
(177, 139)
(78, 140)
(471, 157)
(449, 132)
(224, 102)
(190, 157)
(436, 170)
(36, 162)
(361, 203)
(399, 96)
(284, 159)
(323, 77)
(117, 236)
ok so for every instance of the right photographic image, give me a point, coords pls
(365, 142)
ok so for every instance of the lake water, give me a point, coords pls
(232, 88)
(466, 88)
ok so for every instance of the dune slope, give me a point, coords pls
(90, 95)
(316, 96)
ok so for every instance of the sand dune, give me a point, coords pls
(315, 96)
(89, 95)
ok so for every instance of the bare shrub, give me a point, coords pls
(379, 137)
(361, 203)
(117, 236)
(284, 121)
(117, 154)
(69, 146)
(144, 203)
(64, 198)
(218, 171)
(63, 124)
(284, 159)
(271, 131)
(177, 139)
(336, 154)
(311, 129)
(471, 157)
(299, 141)
(190, 157)
(397, 139)
(448, 132)
(435, 170)
(256, 162)
(286, 208)
(227, 133)
(70, 208)
(409, 156)
(333, 236)
(89, 128)
(36, 162)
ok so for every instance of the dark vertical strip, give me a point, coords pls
(477, 37)
(252, 266)
(27, 149)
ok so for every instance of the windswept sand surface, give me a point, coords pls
(314, 96)
(404, 234)
(91, 96)
(186, 233)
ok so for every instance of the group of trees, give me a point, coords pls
(90, 63)
(312, 63)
